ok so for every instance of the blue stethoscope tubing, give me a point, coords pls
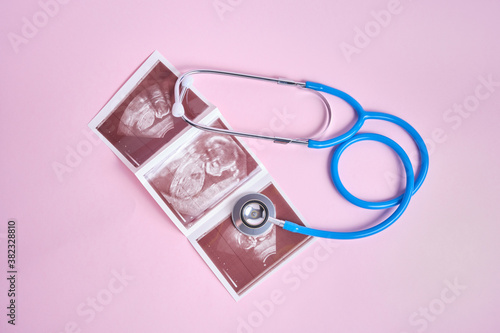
(350, 137)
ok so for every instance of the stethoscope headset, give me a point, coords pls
(254, 214)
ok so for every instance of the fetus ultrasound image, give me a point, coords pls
(242, 259)
(143, 122)
(201, 173)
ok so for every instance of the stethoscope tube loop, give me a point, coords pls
(403, 202)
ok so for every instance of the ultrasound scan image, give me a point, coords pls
(149, 114)
(143, 123)
(200, 174)
(243, 260)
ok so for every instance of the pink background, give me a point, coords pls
(80, 229)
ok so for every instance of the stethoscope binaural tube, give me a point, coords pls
(344, 141)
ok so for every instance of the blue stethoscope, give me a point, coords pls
(254, 214)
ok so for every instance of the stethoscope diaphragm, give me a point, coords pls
(251, 214)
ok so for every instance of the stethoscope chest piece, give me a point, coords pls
(251, 214)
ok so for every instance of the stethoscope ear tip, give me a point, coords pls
(187, 81)
(177, 110)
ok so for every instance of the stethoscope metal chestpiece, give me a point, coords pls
(251, 214)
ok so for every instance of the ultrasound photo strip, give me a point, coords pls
(196, 176)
